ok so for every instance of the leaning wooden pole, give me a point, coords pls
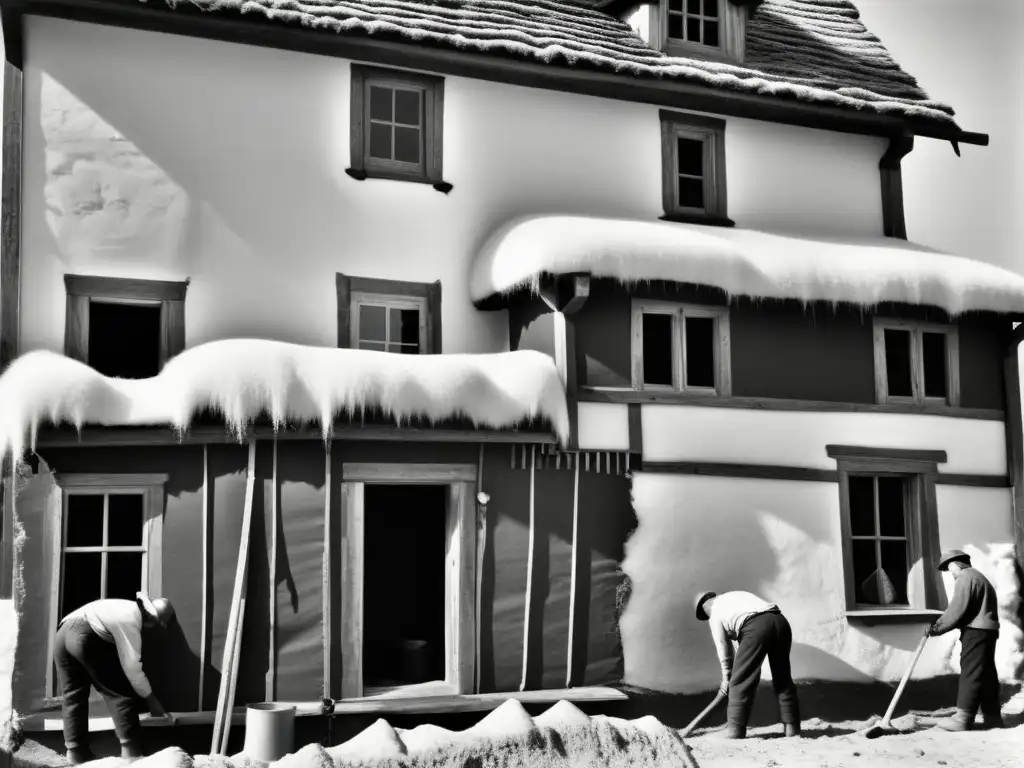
(232, 647)
(570, 678)
(481, 546)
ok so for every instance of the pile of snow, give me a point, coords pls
(244, 378)
(741, 262)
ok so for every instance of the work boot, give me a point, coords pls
(991, 722)
(792, 729)
(80, 755)
(961, 721)
(735, 731)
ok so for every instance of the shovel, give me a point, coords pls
(707, 711)
(883, 727)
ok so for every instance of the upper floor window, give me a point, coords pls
(397, 125)
(681, 347)
(389, 315)
(916, 362)
(714, 29)
(693, 168)
(122, 327)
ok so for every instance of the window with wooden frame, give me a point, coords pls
(397, 125)
(889, 530)
(706, 29)
(916, 362)
(389, 315)
(693, 168)
(123, 327)
(365, 591)
(106, 538)
(681, 348)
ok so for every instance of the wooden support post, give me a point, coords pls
(271, 681)
(326, 573)
(570, 677)
(566, 295)
(529, 567)
(236, 619)
(481, 546)
(890, 169)
(204, 624)
(1015, 441)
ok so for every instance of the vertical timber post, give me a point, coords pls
(529, 568)
(1015, 440)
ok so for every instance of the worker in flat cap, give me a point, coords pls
(100, 645)
(974, 611)
(759, 629)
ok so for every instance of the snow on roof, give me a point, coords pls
(741, 262)
(244, 378)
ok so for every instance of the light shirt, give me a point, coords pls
(727, 614)
(119, 622)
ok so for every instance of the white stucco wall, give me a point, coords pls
(779, 539)
(157, 156)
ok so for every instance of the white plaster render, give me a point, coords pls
(798, 438)
(777, 538)
(603, 427)
(158, 156)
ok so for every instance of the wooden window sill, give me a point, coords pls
(694, 218)
(361, 175)
(893, 616)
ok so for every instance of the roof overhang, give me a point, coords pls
(864, 271)
(250, 29)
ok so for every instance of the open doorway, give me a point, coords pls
(406, 534)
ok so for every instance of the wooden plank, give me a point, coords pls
(481, 548)
(625, 395)
(435, 336)
(752, 471)
(125, 288)
(973, 481)
(408, 473)
(352, 503)
(172, 329)
(1015, 441)
(570, 677)
(76, 328)
(10, 192)
(325, 569)
(529, 567)
(204, 630)
(236, 619)
(271, 679)
(460, 588)
(862, 452)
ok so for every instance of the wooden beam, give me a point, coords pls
(1015, 443)
(532, 543)
(352, 549)
(236, 620)
(903, 454)
(271, 680)
(10, 191)
(752, 471)
(636, 429)
(890, 168)
(325, 568)
(204, 624)
(570, 676)
(125, 288)
(231, 26)
(481, 548)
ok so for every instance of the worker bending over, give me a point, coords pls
(974, 611)
(100, 644)
(760, 630)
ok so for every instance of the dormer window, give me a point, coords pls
(700, 29)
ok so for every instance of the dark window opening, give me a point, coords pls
(700, 352)
(389, 329)
(658, 344)
(934, 351)
(695, 21)
(124, 339)
(404, 584)
(395, 119)
(878, 527)
(898, 368)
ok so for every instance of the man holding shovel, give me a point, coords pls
(760, 630)
(974, 611)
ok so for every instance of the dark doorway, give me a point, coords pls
(124, 339)
(404, 585)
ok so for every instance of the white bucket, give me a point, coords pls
(269, 731)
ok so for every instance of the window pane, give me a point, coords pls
(373, 323)
(81, 580)
(675, 27)
(675, 5)
(124, 574)
(691, 193)
(897, 362)
(406, 349)
(407, 107)
(700, 351)
(407, 145)
(380, 103)
(711, 33)
(891, 511)
(934, 347)
(85, 521)
(693, 29)
(862, 505)
(375, 346)
(894, 566)
(864, 567)
(691, 156)
(380, 141)
(711, 8)
(657, 340)
(125, 521)
(693, 6)
(405, 326)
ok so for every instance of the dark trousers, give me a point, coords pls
(766, 634)
(979, 682)
(84, 659)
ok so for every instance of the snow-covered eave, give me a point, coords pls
(244, 380)
(861, 271)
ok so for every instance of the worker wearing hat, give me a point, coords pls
(100, 644)
(974, 611)
(760, 630)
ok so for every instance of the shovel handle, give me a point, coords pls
(719, 697)
(906, 676)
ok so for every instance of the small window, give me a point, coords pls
(389, 315)
(878, 534)
(693, 168)
(124, 328)
(694, 21)
(681, 347)
(707, 29)
(916, 363)
(397, 122)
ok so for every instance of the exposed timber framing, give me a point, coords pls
(566, 295)
(10, 184)
(204, 621)
(230, 26)
(1015, 439)
(894, 223)
(271, 678)
(530, 555)
(570, 664)
(481, 548)
(325, 568)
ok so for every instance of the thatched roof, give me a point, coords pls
(815, 51)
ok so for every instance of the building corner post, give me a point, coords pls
(1015, 440)
(566, 295)
(891, 172)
